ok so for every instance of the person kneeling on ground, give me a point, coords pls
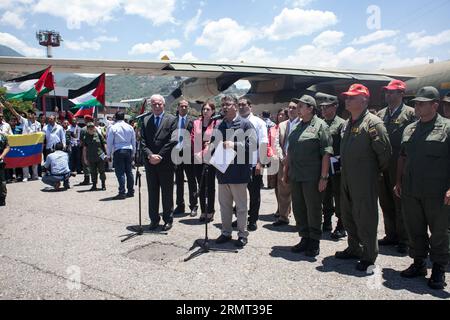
(57, 165)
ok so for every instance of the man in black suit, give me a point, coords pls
(157, 144)
(184, 126)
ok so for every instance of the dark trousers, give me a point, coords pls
(122, 164)
(210, 182)
(254, 188)
(192, 185)
(160, 179)
(75, 159)
(332, 200)
(2, 183)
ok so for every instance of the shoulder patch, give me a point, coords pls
(373, 132)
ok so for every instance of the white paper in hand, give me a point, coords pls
(222, 158)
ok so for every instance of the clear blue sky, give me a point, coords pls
(296, 32)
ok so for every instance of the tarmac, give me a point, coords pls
(67, 245)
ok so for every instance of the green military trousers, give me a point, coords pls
(307, 207)
(421, 213)
(97, 167)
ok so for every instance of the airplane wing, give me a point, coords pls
(209, 79)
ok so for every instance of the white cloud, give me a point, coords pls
(192, 24)
(154, 47)
(295, 22)
(11, 4)
(83, 44)
(300, 3)
(225, 37)
(157, 11)
(189, 56)
(76, 12)
(11, 41)
(256, 55)
(421, 42)
(13, 19)
(375, 36)
(328, 38)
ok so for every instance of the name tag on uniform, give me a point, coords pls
(397, 121)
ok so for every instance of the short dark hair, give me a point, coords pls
(266, 114)
(230, 98)
(120, 115)
(210, 104)
(59, 146)
(31, 112)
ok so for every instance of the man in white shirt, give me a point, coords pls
(5, 128)
(254, 187)
(121, 142)
(54, 134)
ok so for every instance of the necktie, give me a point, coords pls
(182, 127)
(183, 123)
(157, 119)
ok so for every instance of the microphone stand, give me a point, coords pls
(204, 244)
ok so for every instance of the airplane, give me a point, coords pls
(272, 87)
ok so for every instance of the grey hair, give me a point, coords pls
(157, 96)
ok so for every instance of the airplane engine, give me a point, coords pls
(195, 89)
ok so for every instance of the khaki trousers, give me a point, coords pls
(284, 196)
(227, 194)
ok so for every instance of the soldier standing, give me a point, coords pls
(4, 149)
(94, 155)
(329, 105)
(365, 152)
(396, 117)
(424, 187)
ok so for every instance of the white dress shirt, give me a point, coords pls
(53, 135)
(121, 136)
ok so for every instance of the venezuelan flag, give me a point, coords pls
(26, 150)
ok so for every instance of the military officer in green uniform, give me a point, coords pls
(83, 133)
(308, 160)
(423, 183)
(365, 153)
(396, 117)
(94, 155)
(4, 149)
(332, 194)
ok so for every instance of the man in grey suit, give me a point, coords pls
(157, 143)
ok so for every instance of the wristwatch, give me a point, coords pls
(324, 178)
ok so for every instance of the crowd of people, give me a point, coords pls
(318, 163)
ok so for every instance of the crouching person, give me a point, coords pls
(57, 165)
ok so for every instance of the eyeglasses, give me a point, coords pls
(228, 104)
(157, 104)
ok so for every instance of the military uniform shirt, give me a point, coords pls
(94, 146)
(426, 147)
(308, 143)
(3, 142)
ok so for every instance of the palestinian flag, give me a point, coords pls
(28, 88)
(89, 97)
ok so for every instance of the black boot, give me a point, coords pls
(313, 249)
(2, 202)
(301, 247)
(437, 279)
(103, 186)
(417, 269)
(85, 181)
(66, 184)
(94, 187)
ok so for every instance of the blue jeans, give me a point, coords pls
(122, 166)
(52, 180)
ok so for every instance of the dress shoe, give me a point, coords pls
(103, 186)
(202, 217)
(241, 242)
(93, 188)
(301, 246)
(402, 248)
(387, 242)
(179, 210)
(130, 195)
(346, 255)
(85, 182)
(252, 227)
(437, 279)
(280, 223)
(120, 196)
(338, 234)
(363, 265)
(167, 226)
(223, 239)
(417, 269)
(313, 248)
(153, 226)
(194, 211)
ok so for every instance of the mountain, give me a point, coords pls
(8, 52)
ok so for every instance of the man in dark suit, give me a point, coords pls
(184, 126)
(157, 144)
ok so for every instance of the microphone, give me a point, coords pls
(219, 116)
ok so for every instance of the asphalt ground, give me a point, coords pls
(67, 245)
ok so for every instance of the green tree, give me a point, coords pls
(19, 106)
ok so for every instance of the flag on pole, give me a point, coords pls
(26, 150)
(29, 87)
(89, 97)
(144, 106)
